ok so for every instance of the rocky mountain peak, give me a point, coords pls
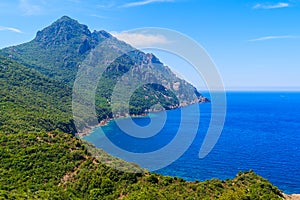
(67, 31)
(61, 31)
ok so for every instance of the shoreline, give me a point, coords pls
(88, 130)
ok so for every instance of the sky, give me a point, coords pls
(254, 44)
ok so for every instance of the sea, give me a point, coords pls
(261, 133)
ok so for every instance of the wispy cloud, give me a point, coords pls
(98, 16)
(144, 2)
(274, 38)
(271, 6)
(107, 5)
(141, 40)
(30, 8)
(3, 28)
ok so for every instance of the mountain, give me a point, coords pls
(59, 50)
(40, 159)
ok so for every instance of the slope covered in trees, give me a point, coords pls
(31, 101)
(40, 162)
(41, 159)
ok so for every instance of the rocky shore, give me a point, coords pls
(86, 131)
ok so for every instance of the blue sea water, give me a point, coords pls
(261, 132)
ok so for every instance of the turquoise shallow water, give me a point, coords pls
(261, 132)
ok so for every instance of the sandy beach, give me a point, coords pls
(292, 196)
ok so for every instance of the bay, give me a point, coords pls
(261, 132)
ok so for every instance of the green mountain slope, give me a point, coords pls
(31, 101)
(59, 50)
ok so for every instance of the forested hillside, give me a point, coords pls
(31, 101)
(42, 159)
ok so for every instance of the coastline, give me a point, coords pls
(87, 130)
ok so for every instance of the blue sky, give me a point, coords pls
(255, 44)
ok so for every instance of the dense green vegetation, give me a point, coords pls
(57, 166)
(41, 158)
(39, 162)
(30, 101)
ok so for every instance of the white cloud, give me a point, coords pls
(274, 37)
(29, 8)
(271, 6)
(144, 2)
(140, 39)
(3, 28)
